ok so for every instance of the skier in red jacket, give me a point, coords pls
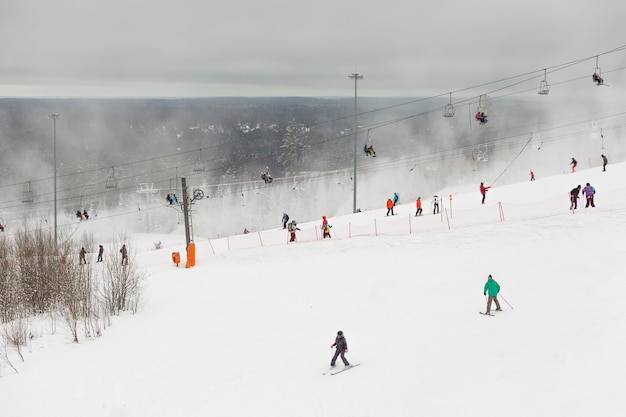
(483, 191)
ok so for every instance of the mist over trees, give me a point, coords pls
(225, 144)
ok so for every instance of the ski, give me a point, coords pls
(485, 314)
(344, 369)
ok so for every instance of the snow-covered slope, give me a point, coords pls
(248, 332)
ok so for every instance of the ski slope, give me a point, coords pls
(248, 332)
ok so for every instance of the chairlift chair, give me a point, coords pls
(597, 74)
(27, 196)
(544, 87)
(198, 166)
(448, 111)
(111, 180)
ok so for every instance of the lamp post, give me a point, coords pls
(54, 117)
(355, 76)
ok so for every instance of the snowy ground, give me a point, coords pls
(248, 332)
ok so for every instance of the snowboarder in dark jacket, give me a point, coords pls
(342, 347)
(573, 196)
(285, 220)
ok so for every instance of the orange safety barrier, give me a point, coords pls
(191, 255)
(176, 258)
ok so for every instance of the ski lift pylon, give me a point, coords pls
(448, 111)
(544, 87)
(27, 196)
(111, 180)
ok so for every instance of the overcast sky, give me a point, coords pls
(186, 48)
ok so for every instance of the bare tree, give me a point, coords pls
(121, 286)
(293, 145)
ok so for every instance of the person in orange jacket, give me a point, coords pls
(418, 206)
(390, 207)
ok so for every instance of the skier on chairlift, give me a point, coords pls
(597, 78)
(481, 117)
(267, 177)
(369, 150)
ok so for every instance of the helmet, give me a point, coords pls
(340, 333)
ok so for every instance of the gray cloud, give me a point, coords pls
(285, 48)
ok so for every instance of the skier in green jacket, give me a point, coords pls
(493, 288)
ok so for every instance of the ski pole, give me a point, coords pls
(506, 301)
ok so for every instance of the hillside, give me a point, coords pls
(247, 332)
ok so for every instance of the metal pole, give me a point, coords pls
(54, 117)
(186, 210)
(355, 76)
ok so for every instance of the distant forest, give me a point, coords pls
(237, 138)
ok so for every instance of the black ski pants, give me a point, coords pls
(343, 357)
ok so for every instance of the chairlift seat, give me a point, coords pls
(111, 182)
(448, 111)
(544, 87)
(198, 166)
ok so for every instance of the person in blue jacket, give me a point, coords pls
(493, 288)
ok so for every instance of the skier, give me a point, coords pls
(418, 206)
(326, 227)
(435, 204)
(82, 259)
(389, 206)
(532, 176)
(573, 197)
(292, 230)
(604, 162)
(1, 228)
(483, 191)
(124, 253)
(396, 197)
(589, 192)
(85, 215)
(493, 288)
(285, 220)
(100, 252)
(342, 347)
(573, 164)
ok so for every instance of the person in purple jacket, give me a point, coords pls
(589, 192)
(342, 347)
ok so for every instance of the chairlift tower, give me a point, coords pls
(198, 194)
(356, 77)
(54, 117)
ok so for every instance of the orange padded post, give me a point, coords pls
(191, 255)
